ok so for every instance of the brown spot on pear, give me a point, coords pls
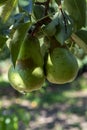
(28, 73)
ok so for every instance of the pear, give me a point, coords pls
(61, 66)
(28, 73)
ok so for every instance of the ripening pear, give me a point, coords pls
(28, 73)
(61, 66)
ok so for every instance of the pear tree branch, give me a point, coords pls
(44, 20)
(38, 24)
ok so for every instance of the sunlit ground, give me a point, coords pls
(54, 107)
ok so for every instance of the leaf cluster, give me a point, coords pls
(65, 20)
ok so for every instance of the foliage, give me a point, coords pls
(9, 120)
(65, 21)
(25, 109)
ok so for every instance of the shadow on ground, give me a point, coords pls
(55, 107)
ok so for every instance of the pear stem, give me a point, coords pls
(39, 24)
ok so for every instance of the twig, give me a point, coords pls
(44, 20)
(46, 6)
(39, 23)
(64, 18)
(58, 2)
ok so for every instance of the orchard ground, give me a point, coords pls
(54, 107)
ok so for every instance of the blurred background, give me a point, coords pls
(53, 107)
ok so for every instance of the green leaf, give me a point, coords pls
(82, 34)
(17, 39)
(63, 31)
(39, 11)
(50, 29)
(2, 41)
(77, 10)
(7, 9)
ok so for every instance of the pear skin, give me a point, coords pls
(61, 66)
(28, 74)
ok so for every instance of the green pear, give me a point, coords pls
(61, 66)
(28, 73)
